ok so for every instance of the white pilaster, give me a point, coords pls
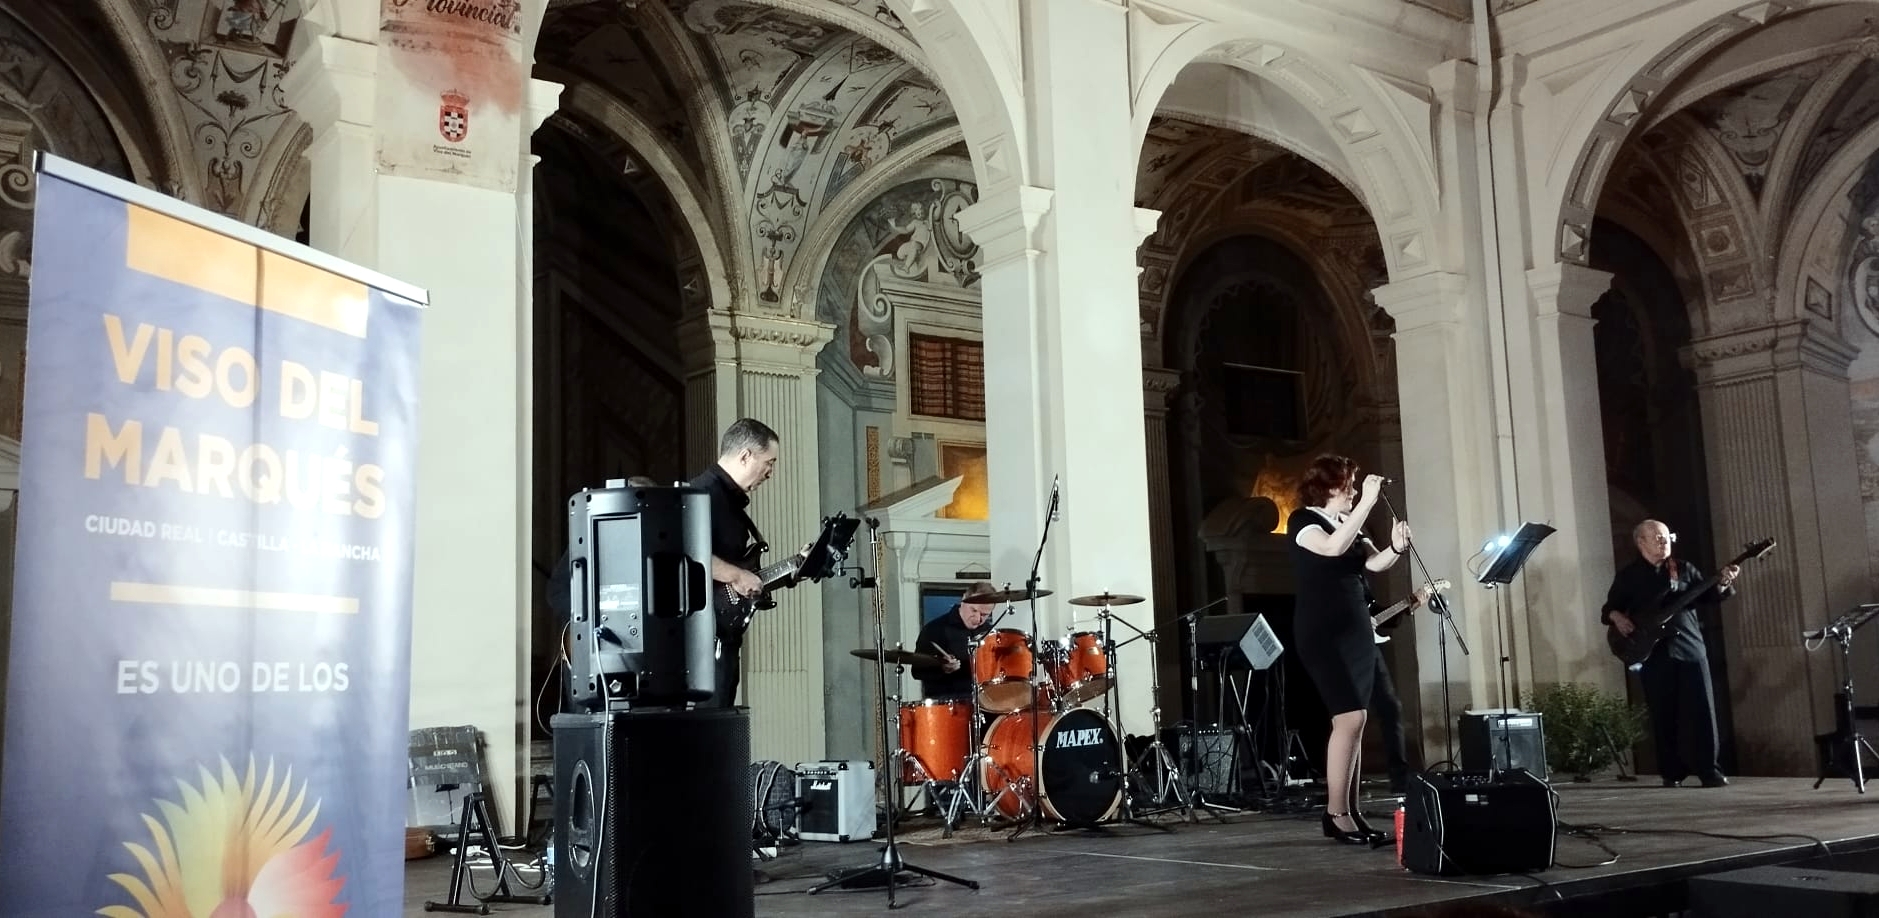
(1779, 444)
(766, 369)
(467, 247)
(1560, 634)
(1063, 340)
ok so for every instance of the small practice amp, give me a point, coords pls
(1503, 740)
(835, 801)
(1477, 823)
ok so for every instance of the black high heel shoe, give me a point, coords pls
(1378, 837)
(1334, 833)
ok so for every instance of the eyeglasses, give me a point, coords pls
(1662, 538)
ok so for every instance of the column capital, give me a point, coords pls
(753, 342)
(1009, 225)
(544, 97)
(1428, 299)
(1158, 386)
(332, 80)
(1766, 350)
(1563, 289)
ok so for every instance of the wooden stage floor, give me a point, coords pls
(1280, 865)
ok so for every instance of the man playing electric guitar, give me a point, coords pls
(1676, 674)
(746, 458)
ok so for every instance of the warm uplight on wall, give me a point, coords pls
(971, 501)
(1281, 488)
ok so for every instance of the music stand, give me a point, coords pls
(1847, 732)
(1500, 571)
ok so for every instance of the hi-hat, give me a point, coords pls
(906, 657)
(1107, 599)
(1005, 596)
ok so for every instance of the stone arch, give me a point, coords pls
(1816, 209)
(1367, 143)
(151, 129)
(290, 181)
(1607, 111)
(688, 191)
(819, 242)
(1722, 233)
(959, 38)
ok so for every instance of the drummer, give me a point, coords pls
(949, 637)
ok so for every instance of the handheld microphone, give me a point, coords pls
(1056, 509)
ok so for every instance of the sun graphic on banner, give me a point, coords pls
(235, 847)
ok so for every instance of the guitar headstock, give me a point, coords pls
(1754, 550)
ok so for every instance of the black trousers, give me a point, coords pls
(730, 669)
(1683, 716)
(1389, 714)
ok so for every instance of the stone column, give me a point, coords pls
(1063, 339)
(1158, 386)
(1779, 442)
(1448, 492)
(1559, 635)
(467, 246)
(765, 368)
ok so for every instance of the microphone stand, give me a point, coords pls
(888, 869)
(1037, 742)
(1196, 794)
(1439, 605)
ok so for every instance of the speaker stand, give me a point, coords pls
(476, 823)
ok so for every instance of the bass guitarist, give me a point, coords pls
(747, 457)
(1676, 675)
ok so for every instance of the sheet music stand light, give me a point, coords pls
(1500, 571)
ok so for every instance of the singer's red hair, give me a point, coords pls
(1328, 473)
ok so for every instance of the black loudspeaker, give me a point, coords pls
(642, 628)
(653, 814)
(1500, 742)
(1476, 823)
(1785, 890)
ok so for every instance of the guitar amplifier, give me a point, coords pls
(1502, 741)
(835, 801)
(1476, 823)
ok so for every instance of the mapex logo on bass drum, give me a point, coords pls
(1070, 739)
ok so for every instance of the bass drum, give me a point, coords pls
(1082, 762)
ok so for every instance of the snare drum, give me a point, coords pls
(1002, 666)
(935, 734)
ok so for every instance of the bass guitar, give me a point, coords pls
(817, 560)
(1403, 605)
(1653, 618)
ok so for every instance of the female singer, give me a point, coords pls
(1332, 627)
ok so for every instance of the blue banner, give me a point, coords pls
(206, 696)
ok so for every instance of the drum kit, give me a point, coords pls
(1029, 742)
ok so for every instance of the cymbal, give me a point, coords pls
(1006, 596)
(907, 657)
(1107, 599)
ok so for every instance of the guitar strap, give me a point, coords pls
(752, 534)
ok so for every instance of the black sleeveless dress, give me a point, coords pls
(1331, 626)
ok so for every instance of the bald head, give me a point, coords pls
(1653, 540)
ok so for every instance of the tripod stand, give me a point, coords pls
(1507, 562)
(1439, 605)
(1851, 744)
(890, 866)
(1199, 794)
(1166, 774)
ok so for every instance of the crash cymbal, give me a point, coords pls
(1107, 599)
(907, 657)
(1006, 596)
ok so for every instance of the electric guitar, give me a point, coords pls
(1651, 619)
(1401, 605)
(735, 612)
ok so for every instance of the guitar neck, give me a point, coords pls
(1390, 612)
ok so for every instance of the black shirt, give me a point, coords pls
(1639, 583)
(731, 528)
(947, 632)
